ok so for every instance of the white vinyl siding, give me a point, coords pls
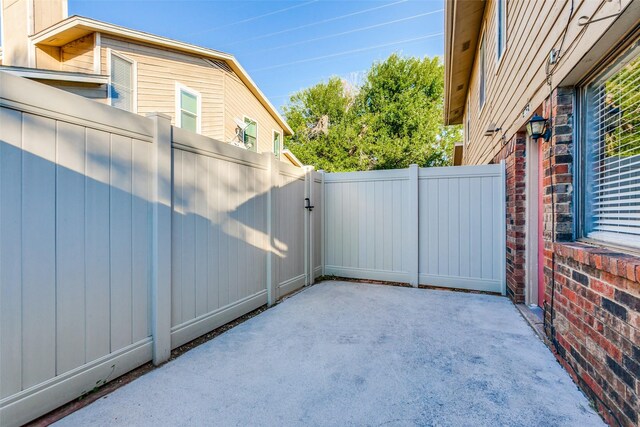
(612, 152)
(122, 83)
(187, 108)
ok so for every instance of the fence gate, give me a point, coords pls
(428, 226)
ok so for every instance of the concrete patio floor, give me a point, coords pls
(356, 354)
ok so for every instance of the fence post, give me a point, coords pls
(162, 183)
(308, 240)
(414, 221)
(323, 203)
(503, 225)
(272, 203)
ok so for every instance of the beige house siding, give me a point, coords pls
(77, 56)
(15, 31)
(47, 12)
(224, 96)
(240, 102)
(48, 58)
(22, 18)
(533, 29)
(158, 70)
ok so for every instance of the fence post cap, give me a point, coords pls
(160, 115)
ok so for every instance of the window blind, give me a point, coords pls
(121, 88)
(612, 137)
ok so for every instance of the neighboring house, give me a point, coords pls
(203, 90)
(573, 202)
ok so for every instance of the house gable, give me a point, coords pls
(75, 27)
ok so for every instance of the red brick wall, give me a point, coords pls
(514, 155)
(593, 305)
(597, 325)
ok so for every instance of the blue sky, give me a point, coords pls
(295, 58)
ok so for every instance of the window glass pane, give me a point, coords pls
(189, 102)
(612, 152)
(276, 143)
(188, 121)
(251, 135)
(121, 88)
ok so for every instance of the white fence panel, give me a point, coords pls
(290, 231)
(461, 227)
(367, 225)
(431, 226)
(316, 245)
(74, 246)
(220, 240)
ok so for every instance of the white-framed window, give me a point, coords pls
(610, 148)
(251, 134)
(122, 82)
(501, 28)
(277, 143)
(482, 74)
(188, 108)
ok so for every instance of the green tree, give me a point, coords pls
(393, 119)
(321, 118)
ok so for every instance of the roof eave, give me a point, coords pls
(292, 157)
(463, 23)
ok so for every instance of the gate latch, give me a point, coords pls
(308, 204)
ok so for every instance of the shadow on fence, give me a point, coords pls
(114, 248)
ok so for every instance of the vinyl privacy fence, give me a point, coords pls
(424, 226)
(122, 238)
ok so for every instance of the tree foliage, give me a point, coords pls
(391, 120)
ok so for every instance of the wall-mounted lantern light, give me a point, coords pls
(538, 127)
